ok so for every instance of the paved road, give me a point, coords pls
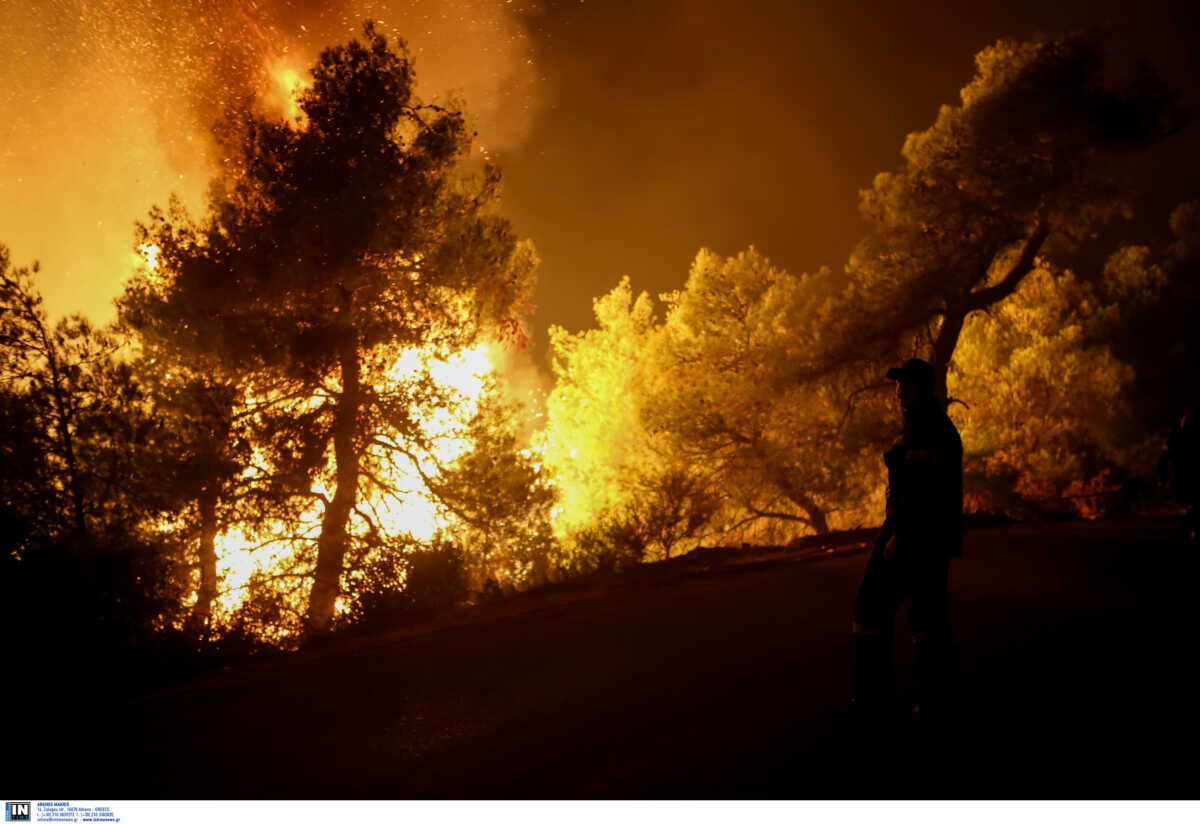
(1075, 649)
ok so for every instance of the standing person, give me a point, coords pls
(922, 531)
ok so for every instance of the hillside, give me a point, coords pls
(717, 681)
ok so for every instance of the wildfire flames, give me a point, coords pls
(396, 507)
(288, 82)
(108, 106)
(132, 91)
(410, 514)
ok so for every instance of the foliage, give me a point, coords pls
(1043, 393)
(1028, 161)
(661, 511)
(332, 243)
(398, 587)
(661, 433)
(1071, 383)
(79, 535)
(500, 499)
(724, 390)
(622, 491)
(1154, 331)
(592, 433)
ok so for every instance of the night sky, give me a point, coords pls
(631, 132)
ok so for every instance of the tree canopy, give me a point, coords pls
(331, 244)
(600, 454)
(723, 389)
(1030, 157)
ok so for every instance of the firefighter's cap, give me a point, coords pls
(917, 370)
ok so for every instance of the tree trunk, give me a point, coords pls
(943, 347)
(331, 546)
(816, 515)
(207, 593)
(814, 512)
(64, 424)
(955, 313)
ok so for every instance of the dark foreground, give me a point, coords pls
(1076, 645)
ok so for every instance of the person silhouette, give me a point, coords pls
(922, 531)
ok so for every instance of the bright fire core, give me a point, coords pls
(410, 513)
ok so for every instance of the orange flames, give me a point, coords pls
(288, 82)
(108, 107)
(95, 141)
(411, 513)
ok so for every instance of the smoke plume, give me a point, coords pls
(106, 106)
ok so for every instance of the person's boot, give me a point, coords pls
(872, 712)
(934, 659)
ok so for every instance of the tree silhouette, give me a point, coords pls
(1030, 157)
(198, 463)
(331, 243)
(80, 522)
(79, 404)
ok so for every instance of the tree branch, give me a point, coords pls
(983, 298)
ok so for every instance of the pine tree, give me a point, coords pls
(331, 243)
(1029, 160)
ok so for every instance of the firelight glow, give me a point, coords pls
(288, 82)
(148, 253)
(409, 513)
(109, 106)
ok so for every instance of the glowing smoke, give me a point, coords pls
(106, 106)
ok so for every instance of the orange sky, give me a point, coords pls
(105, 107)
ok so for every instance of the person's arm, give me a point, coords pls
(891, 517)
(887, 531)
(914, 503)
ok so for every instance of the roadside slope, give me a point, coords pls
(714, 683)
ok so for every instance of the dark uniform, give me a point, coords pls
(924, 527)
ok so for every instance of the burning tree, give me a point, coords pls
(204, 432)
(335, 241)
(660, 433)
(623, 489)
